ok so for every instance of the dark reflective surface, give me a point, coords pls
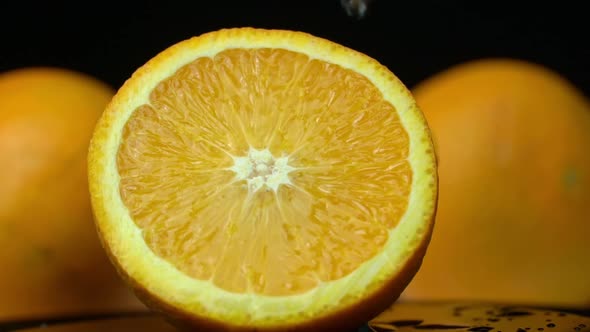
(400, 317)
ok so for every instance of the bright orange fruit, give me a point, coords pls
(514, 210)
(51, 262)
(264, 180)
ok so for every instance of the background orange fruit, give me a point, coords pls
(51, 260)
(513, 223)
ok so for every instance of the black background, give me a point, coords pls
(415, 39)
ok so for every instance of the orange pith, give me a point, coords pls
(348, 184)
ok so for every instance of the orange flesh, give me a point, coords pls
(350, 185)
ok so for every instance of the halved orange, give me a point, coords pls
(251, 179)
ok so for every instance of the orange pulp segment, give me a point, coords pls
(252, 158)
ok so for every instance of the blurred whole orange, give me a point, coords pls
(51, 261)
(513, 222)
